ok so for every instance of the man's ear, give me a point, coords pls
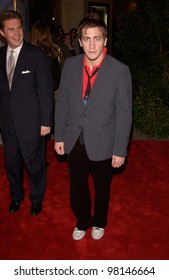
(105, 42)
(80, 43)
(2, 33)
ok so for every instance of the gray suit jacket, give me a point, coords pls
(107, 117)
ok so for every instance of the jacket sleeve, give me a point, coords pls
(45, 90)
(123, 113)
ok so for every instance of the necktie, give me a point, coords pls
(86, 96)
(11, 66)
(88, 88)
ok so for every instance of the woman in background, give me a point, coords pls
(41, 37)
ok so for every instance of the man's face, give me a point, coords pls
(13, 32)
(93, 43)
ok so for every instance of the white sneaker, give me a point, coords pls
(78, 234)
(97, 233)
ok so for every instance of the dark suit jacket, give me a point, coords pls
(107, 117)
(29, 103)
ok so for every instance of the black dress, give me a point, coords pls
(55, 70)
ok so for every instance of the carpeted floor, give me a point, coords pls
(138, 215)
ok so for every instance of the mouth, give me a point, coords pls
(92, 52)
(17, 40)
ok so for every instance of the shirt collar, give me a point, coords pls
(16, 50)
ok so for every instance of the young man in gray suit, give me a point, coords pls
(26, 111)
(92, 124)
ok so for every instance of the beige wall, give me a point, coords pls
(71, 13)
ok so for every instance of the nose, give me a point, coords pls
(92, 43)
(17, 31)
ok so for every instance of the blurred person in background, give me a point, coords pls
(75, 41)
(57, 36)
(41, 37)
(68, 42)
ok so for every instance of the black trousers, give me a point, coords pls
(30, 154)
(80, 197)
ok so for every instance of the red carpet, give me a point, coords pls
(138, 217)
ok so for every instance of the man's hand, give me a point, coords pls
(44, 130)
(117, 161)
(59, 148)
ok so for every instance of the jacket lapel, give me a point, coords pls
(79, 83)
(19, 65)
(98, 82)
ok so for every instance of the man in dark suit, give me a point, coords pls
(93, 126)
(26, 111)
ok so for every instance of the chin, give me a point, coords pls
(92, 57)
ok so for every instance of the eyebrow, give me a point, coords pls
(13, 27)
(97, 36)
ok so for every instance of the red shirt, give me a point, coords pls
(85, 77)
